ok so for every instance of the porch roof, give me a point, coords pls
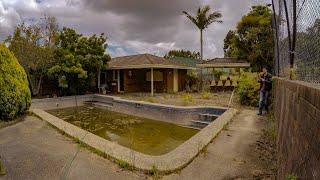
(142, 61)
(224, 63)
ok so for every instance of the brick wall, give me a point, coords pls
(297, 109)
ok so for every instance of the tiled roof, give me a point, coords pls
(188, 61)
(224, 60)
(145, 61)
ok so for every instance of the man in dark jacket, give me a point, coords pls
(265, 81)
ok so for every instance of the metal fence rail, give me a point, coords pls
(296, 25)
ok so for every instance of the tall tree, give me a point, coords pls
(91, 52)
(36, 56)
(202, 20)
(79, 60)
(50, 30)
(182, 53)
(252, 39)
(67, 69)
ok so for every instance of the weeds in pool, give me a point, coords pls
(205, 95)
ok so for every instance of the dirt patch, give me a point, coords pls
(264, 151)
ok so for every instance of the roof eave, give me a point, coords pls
(226, 65)
(147, 66)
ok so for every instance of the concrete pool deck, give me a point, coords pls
(32, 150)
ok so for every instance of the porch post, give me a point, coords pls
(151, 81)
(118, 79)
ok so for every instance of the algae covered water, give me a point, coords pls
(140, 134)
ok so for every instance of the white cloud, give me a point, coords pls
(141, 26)
(8, 20)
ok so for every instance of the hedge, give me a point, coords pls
(15, 96)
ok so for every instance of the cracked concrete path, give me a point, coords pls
(33, 150)
(230, 155)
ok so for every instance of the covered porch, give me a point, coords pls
(227, 78)
(144, 73)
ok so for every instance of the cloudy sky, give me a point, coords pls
(132, 26)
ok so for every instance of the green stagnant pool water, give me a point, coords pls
(140, 134)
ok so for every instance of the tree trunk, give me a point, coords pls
(30, 86)
(39, 85)
(201, 58)
(201, 44)
(34, 84)
(99, 72)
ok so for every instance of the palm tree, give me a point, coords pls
(202, 20)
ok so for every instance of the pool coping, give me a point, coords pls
(121, 99)
(170, 162)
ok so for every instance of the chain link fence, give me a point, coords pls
(296, 25)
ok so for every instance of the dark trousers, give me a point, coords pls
(263, 102)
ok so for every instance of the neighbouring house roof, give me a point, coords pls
(224, 63)
(145, 61)
(188, 61)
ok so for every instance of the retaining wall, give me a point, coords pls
(297, 110)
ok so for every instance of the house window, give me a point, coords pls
(115, 75)
(157, 76)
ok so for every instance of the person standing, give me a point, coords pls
(265, 81)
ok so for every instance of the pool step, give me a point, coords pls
(203, 121)
(197, 125)
(103, 105)
(200, 122)
(208, 117)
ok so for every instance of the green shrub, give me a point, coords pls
(205, 95)
(15, 96)
(248, 89)
(217, 73)
(187, 98)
